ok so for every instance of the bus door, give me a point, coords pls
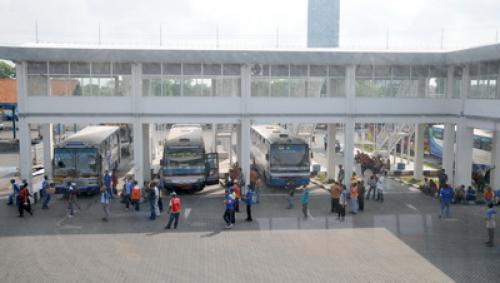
(212, 168)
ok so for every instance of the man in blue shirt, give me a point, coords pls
(248, 202)
(446, 196)
(107, 183)
(44, 192)
(14, 194)
(229, 203)
(126, 192)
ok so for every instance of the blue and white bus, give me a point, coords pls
(85, 156)
(279, 157)
(185, 164)
(481, 145)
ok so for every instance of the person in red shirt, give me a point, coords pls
(24, 200)
(174, 210)
(237, 196)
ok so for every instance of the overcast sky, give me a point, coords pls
(249, 23)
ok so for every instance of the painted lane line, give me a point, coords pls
(187, 211)
(411, 206)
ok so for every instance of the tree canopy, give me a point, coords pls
(7, 71)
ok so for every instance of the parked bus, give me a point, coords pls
(85, 156)
(185, 164)
(481, 145)
(279, 157)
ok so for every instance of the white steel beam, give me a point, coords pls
(449, 150)
(463, 161)
(330, 151)
(419, 151)
(495, 160)
(48, 148)
(25, 156)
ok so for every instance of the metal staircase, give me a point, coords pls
(391, 134)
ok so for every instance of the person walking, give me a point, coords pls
(249, 202)
(13, 196)
(44, 192)
(445, 196)
(341, 175)
(372, 186)
(72, 199)
(229, 207)
(361, 195)
(105, 200)
(342, 205)
(305, 202)
(290, 187)
(490, 225)
(135, 196)
(158, 202)
(335, 191)
(380, 188)
(354, 193)
(24, 200)
(443, 179)
(106, 181)
(174, 208)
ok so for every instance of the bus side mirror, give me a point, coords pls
(162, 162)
(267, 156)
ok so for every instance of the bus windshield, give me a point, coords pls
(81, 160)
(287, 155)
(184, 161)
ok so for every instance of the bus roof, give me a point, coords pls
(477, 132)
(91, 135)
(276, 134)
(185, 134)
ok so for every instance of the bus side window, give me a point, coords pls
(486, 144)
(477, 142)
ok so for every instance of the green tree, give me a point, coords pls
(7, 71)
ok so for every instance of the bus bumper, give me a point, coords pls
(282, 181)
(61, 189)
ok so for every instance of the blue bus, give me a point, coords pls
(481, 146)
(85, 156)
(185, 164)
(279, 157)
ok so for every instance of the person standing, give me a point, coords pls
(372, 186)
(44, 192)
(237, 196)
(24, 200)
(229, 207)
(127, 190)
(354, 193)
(335, 191)
(342, 205)
(174, 208)
(446, 196)
(291, 192)
(248, 202)
(443, 179)
(105, 200)
(13, 197)
(305, 202)
(325, 141)
(150, 194)
(380, 188)
(361, 195)
(341, 175)
(135, 196)
(114, 182)
(490, 225)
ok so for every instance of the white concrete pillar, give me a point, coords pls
(245, 149)
(408, 149)
(146, 164)
(238, 143)
(419, 151)
(138, 134)
(449, 151)
(48, 148)
(348, 149)
(330, 153)
(463, 163)
(495, 161)
(25, 156)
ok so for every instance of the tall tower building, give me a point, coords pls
(323, 23)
